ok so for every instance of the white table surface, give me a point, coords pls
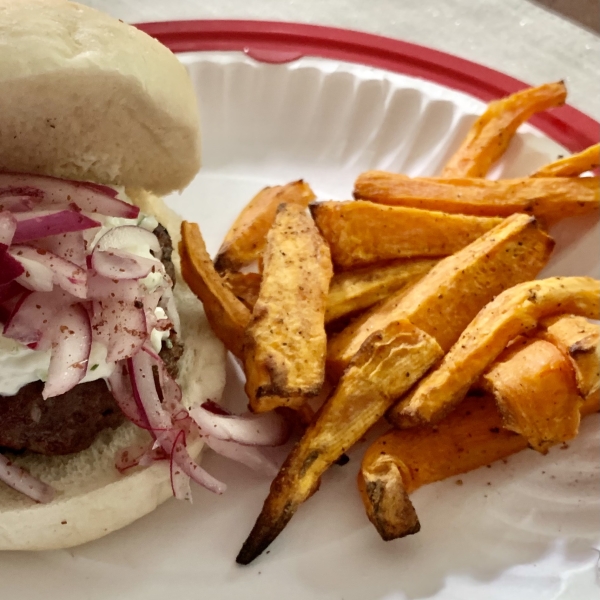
(513, 36)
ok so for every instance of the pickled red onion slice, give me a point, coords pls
(71, 346)
(19, 190)
(70, 246)
(103, 189)
(161, 423)
(126, 323)
(89, 197)
(8, 226)
(9, 290)
(253, 458)
(119, 318)
(36, 276)
(268, 429)
(119, 385)
(139, 455)
(180, 480)
(127, 236)
(100, 330)
(19, 203)
(130, 456)
(145, 393)
(67, 275)
(22, 481)
(33, 314)
(34, 225)
(178, 450)
(103, 288)
(155, 404)
(171, 392)
(119, 264)
(10, 268)
(9, 297)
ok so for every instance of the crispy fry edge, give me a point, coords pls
(246, 238)
(227, 316)
(490, 135)
(547, 198)
(467, 439)
(401, 352)
(514, 251)
(515, 311)
(572, 166)
(282, 339)
(535, 389)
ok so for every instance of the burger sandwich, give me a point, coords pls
(103, 348)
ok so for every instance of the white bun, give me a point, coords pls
(85, 96)
(93, 498)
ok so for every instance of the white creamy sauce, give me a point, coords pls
(19, 365)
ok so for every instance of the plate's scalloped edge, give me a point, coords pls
(276, 42)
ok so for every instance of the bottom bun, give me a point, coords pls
(92, 497)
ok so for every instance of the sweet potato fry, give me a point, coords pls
(246, 239)
(352, 291)
(445, 300)
(401, 461)
(515, 311)
(572, 166)
(536, 393)
(388, 363)
(539, 382)
(360, 233)
(285, 344)
(227, 316)
(492, 132)
(244, 286)
(549, 198)
(578, 339)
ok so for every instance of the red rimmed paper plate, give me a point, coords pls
(281, 102)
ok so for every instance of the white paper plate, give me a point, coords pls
(527, 528)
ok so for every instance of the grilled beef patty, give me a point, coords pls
(61, 425)
(70, 422)
(164, 239)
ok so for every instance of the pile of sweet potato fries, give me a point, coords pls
(416, 301)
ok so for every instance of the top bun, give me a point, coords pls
(88, 97)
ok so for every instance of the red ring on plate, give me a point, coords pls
(276, 42)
